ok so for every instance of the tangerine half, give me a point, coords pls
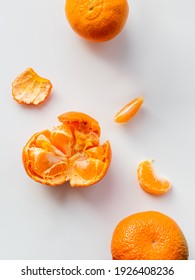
(69, 152)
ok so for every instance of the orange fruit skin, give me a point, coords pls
(148, 235)
(30, 88)
(129, 110)
(69, 152)
(97, 20)
(149, 181)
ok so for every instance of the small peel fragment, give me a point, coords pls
(30, 88)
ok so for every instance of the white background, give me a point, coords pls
(153, 56)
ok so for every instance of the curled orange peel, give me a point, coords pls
(30, 88)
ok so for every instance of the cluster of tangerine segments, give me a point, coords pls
(69, 152)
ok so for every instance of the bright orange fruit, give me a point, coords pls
(97, 20)
(69, 152)
(148, 235)
(129, 110)
(150, 181)
(30, 88)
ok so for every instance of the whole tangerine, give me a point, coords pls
(148, 235)
(97, 20)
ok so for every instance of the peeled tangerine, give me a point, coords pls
(30, 88)
(69, 152)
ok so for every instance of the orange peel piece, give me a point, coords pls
(69, 152)
(149, 181)
(30, 88)
(129, 110)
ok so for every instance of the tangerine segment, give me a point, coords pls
(148, 235)
(97, 20)
(30, 88)
(91, 166)
(150, 181)
(69, 152)
(129, 110)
